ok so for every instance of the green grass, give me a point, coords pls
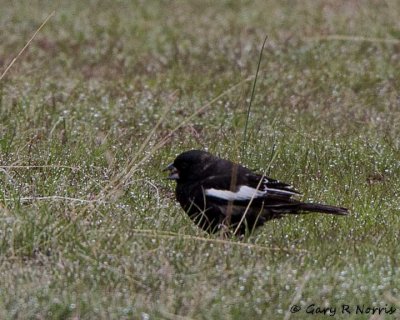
(109, 92)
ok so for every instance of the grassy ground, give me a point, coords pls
(109, 92)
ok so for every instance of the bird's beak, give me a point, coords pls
(173, 172)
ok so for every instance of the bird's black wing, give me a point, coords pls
(273, 186)
(226, 175)
(246, 187)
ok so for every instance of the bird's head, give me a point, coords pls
(188, 165)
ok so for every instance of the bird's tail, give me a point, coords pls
(323, 208)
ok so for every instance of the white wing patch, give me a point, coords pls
(244, 193)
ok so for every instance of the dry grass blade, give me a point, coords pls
(249, 205)
(119, 180)
(299, 291)
(204, 107)
(133, 164)
(40, 167)
(174, 236)
(339, 37)
(26, 45)
(54, 198)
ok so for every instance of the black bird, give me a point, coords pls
(218, 193)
